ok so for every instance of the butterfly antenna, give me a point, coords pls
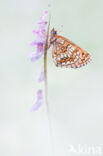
(61, 27)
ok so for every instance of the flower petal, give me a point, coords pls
(39, 101)
(32, 44)
(35, 56)
(41, 76)
(40, 37)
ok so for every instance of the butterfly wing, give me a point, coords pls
(66, 53)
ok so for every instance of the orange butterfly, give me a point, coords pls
(67, 54)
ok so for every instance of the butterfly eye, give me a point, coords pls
(54, 32)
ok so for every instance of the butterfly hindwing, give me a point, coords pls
(67, 54)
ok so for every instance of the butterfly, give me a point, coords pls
(67, 54)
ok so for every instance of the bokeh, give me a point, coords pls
(75, 96)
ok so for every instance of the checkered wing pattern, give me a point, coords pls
(67, 54)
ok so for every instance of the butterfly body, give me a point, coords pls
(67, 54)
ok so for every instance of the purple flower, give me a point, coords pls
(41, 76)
(38, 53)
(39, 101)
(40, 34)
(39, 43)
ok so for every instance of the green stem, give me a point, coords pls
(45, 67)
(46, 87)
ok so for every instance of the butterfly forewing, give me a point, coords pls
(67, 54)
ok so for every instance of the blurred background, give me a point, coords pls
(75, 96)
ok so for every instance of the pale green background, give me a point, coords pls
(75, 96)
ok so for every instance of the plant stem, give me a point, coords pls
(45, 67)
(46, 88)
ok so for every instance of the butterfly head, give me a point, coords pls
(53, 35)
(53, 32)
